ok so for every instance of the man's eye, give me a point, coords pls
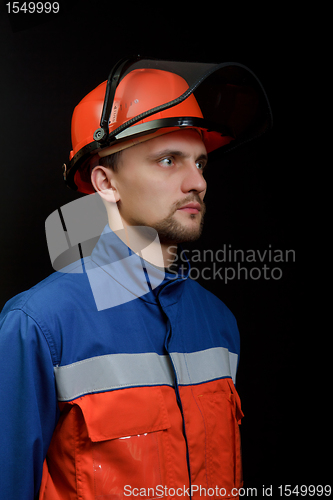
(167, 162)
(200, 165)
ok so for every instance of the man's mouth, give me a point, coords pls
(191, 208)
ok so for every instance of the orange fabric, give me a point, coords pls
(135, 437)
(212, 414)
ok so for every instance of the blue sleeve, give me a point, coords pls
(28, 402)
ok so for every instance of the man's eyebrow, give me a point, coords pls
(203, 156)
(166, 152)
(173, 152)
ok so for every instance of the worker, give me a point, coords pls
(117, 372)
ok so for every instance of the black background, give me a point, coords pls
(49, 63)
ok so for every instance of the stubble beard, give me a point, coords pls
(171, 231)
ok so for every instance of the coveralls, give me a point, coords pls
(112, 387)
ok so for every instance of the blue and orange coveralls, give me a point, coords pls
(104, 402)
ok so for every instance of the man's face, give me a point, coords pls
(161, 185)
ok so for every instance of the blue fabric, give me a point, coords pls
(58, 322)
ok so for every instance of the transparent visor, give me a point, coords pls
(230, 97)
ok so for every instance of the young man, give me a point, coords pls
(117, 375)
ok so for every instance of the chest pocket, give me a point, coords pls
(121, 443)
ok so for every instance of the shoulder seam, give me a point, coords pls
(47, 337)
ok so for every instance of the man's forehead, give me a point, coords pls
(182, 141)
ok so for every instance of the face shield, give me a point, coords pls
(143, 98)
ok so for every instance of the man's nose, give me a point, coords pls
(193, 179)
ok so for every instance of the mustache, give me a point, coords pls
(190, 199)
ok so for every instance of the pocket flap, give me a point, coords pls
(124, 412)
(239, 413)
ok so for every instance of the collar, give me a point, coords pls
(117, 275)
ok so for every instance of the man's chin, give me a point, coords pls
(172, 231)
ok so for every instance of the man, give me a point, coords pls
(117, 375)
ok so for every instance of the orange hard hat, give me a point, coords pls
(145, 98)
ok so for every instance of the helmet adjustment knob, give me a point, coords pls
(100, 135)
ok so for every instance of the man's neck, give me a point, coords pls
(145, 242)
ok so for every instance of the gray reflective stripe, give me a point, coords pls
(201, 366)
(113, 371)
(117, 371)
(233, 359)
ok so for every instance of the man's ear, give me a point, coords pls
(103, 182)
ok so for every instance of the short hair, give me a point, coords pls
(111, 161)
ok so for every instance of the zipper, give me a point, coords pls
(179, 402)
(178, 398)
